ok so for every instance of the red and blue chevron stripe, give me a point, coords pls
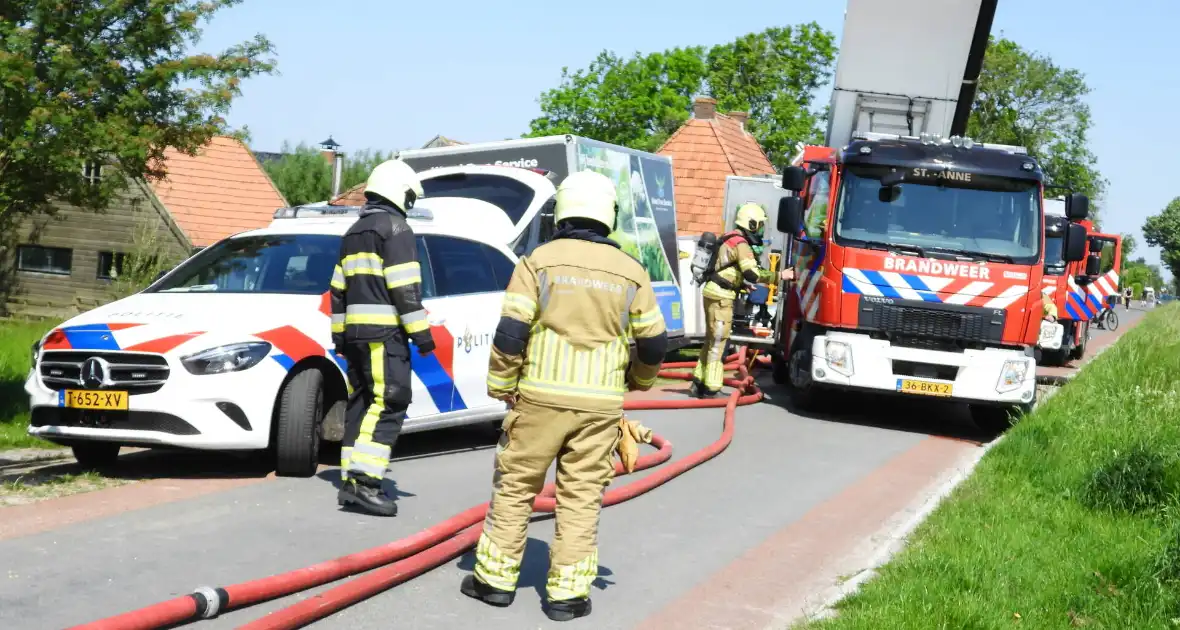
(86, 337)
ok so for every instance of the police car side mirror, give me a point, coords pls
(793, 178)
(790, 215)
(1075, 243)
(1077, 207)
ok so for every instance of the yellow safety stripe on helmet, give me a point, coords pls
(493, 567)
(338, 278)
(402, 275)
(574, 580)
(520, 306)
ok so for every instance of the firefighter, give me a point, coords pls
(735, 262)
(1048, 308)
(560, 359)
(377, 311)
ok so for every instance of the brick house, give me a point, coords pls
(708, 148)
(55, 266)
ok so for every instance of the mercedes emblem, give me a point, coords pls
(94, 373)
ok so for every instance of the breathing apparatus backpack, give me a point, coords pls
(704, 259)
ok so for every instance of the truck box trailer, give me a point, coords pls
(646, 226)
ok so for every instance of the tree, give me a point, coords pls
(1163, 230)
(1024, 99)
(640, 101)
(108, 82)
(303, 175)
(1129, 247)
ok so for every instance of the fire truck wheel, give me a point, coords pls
(297, 440)
(804, 394)
(779, 371)
(1079, 350)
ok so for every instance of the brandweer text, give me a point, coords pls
(937, 267)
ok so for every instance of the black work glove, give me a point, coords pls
(425, 347)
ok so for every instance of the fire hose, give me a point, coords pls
(396, 562)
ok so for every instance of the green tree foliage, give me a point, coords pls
(304, 175)
(1163, 230)
(1129, 247)
(110, 82)
(640, 101)
(1025, 99)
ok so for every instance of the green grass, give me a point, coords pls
(37, 487)
(1072, 521)
(16, 339)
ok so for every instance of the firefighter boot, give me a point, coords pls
(491, 595)
(365, 492)
(567, 609)
(698, 390)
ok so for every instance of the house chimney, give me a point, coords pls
(337, 170)
(703, 108)
(741, 117)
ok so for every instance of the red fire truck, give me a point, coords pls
(919, 258)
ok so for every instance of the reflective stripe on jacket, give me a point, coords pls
(569, 314)
(376, 287)
(734, 250)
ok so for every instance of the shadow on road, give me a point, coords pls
(892, 412)
(534, 569)
(421, 445)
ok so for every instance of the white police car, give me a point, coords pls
(232, 349)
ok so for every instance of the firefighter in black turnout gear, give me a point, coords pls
(376, 313)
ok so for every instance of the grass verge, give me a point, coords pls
(34, 487)
(16, 339)
(1073, 520)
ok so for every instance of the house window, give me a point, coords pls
(92, 172)
(55, 260)
(110, 265)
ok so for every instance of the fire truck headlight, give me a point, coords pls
(1012, 375)
(839, 357)
(224, 359)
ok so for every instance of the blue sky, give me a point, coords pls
(391, 75)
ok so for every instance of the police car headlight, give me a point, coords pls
(839, 357)
(1012, 375)
(224, 359)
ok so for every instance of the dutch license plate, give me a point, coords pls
(103, 400)
(925, 388)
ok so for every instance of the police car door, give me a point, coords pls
(470, 278)
(430, 384)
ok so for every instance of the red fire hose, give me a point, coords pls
(409, 557)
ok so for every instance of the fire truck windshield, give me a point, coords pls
(994, 219)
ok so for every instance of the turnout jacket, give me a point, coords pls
(570, 312)
(734, 255)
(377, 286)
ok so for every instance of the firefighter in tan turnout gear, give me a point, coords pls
(376, 311)
(561, 360)
(735, 262)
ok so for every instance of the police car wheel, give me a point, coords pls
(297, 440)
(95, 454)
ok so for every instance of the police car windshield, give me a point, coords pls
(995, 219)
(300, 264)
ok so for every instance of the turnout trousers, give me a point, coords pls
(379, 377)
(533, 437)
(710, 369)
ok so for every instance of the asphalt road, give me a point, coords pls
(653, 549)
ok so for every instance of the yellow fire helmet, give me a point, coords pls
(751, 218)
(396, 181)
(587, 195)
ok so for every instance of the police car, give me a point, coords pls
(232, 349)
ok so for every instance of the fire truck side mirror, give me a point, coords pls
(794, 178)
(1077, 207)
(1075, 243)
(790, 215)
(1093, 265)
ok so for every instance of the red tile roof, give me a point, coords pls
(704, 153)
(220, 191)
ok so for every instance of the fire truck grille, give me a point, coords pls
(909, 319)
(133, 372)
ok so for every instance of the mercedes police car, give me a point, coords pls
(232, 349)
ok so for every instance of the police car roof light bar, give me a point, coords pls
(331, 212)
